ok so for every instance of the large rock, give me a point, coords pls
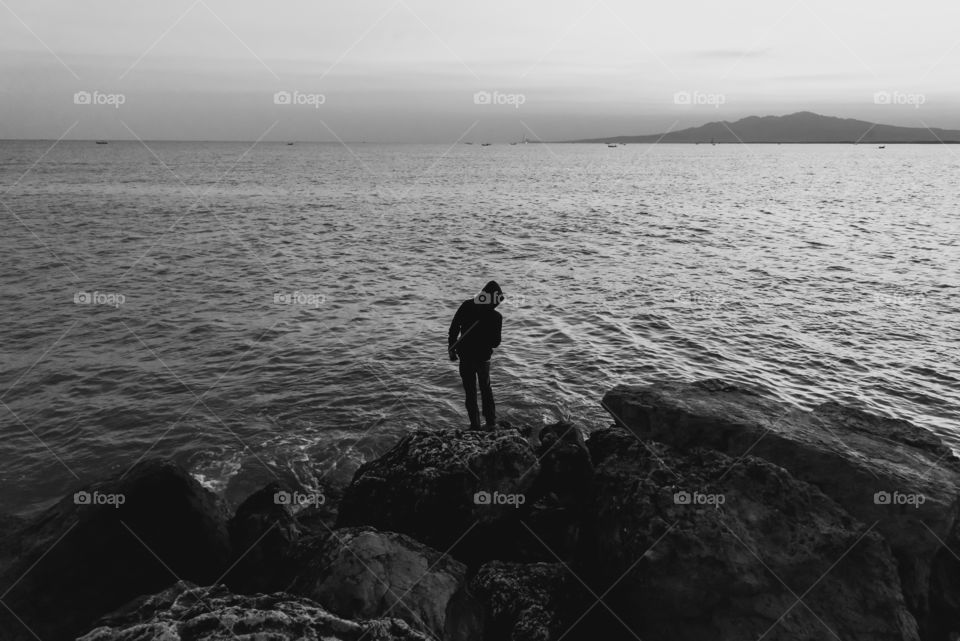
(524, 602)
(697, 545)
(10, 539)
(264, 536)
(884, 471)
(188, 613)
(112, 541)
(434, 487)
(561, 492)
(361, 573)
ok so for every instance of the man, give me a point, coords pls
(474, 333)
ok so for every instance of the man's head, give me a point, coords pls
(491, 295)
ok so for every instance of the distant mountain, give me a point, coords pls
(800, 127)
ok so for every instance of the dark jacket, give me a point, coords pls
(475, 331)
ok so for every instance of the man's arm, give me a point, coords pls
(497, 328)
(454, 333)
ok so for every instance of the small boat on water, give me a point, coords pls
(289, 144)
(612, 146)
(102, 142)
(485, 144)
(882, 147)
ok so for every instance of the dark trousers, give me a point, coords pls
(472, 373)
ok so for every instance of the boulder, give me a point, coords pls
(362, 573)
(565, 467)
(108, 543)
(185, 612)
(884, 471)
(525, 602)
(461, 492)
(698, 545)
(10, 539)
(264, 536)
(561, 492)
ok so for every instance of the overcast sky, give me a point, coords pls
(411, 70)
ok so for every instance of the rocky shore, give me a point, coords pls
(707, 511)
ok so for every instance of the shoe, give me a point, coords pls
(490, 426)
(474, 426)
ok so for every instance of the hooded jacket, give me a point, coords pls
(475, 331)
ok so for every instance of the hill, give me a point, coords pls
(800, 127)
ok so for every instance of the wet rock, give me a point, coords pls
(362, 573)
(881, 470)
(562, 492)
(10, 539)
(188, 613)
(264, 536)
(525, 602)
(697, 545)
(457, 491)
(112, 541)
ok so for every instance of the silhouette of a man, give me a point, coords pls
(474, 333)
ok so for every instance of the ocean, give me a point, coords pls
(263, 310)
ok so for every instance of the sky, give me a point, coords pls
(445, 71)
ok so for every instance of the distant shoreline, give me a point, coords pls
(756, 142)
(610, 141)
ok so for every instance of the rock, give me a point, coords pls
(264, 536)
(564, 487)
(697, 545)
(185, 612)
(881, 470)
(457, 491)
(322, 517)
(117, 539)
(565, 467)
(10, 539)
(525, 602)
(361, 573)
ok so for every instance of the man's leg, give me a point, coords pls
(486, 394)
(468, 374)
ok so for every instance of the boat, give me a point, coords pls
(612, 146)
(485, 144)
(882, 147)
(102, 142)
(290, 144)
